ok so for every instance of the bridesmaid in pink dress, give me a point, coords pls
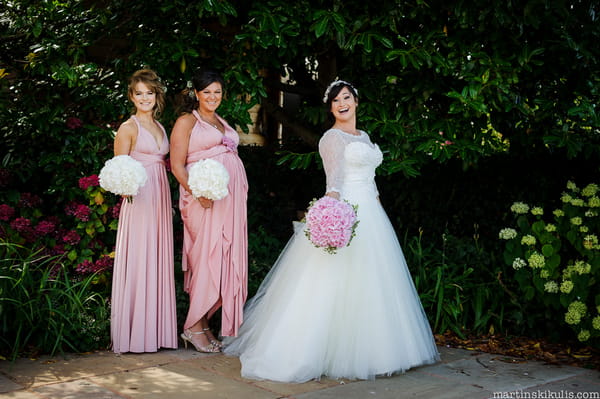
(215, 242)
(143, 315)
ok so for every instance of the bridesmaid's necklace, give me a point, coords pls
(212, 124)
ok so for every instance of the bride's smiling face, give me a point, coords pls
(343, 106)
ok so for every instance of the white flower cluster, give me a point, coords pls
(122, 175)
(507, 234)
(551, 287)
(536, 260)
(537, 210)
(528, 239)
(550, 228)
(590, 190)
(209, 179)
(519, 207)
(518, 263)
(559, 213)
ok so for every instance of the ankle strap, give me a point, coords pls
(195, 332)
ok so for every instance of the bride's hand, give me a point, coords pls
(205, 202)
(333, 194)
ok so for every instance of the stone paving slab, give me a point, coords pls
(183, 374)
(179, 380)
(585, 383)
(230, 367)
(7, 385)
(20, 395)
(494, 375)
(412, 384)
(47, 370)
(76, 389)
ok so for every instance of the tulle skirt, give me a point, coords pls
(353, 314)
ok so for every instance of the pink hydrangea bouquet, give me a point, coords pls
(331, 223)
(122, 175)
(208, 178)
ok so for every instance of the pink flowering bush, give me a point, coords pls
(6, 212)
(330, 223)
(45, 227)
(96, 221)
(77, 239)
(89, 181)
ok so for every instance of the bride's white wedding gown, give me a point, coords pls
(353, 314)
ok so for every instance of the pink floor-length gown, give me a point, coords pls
(143, 315)
(215, 241)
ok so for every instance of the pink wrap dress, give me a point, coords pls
(215, 240)
(143, 315)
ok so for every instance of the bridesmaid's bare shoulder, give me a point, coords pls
(128, 129)
(183, 126)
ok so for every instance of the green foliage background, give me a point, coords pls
(475, 104)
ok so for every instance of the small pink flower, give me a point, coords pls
(71, 208)
(229, 143)
(22, 225)
(116, 210)
(74, 123)
(71, 237)
(45, 227)
(448, 142)
(58, 249)
(29, 200)
(85, 267)
(105, 262)
(6, 212)
(82, 212)
(88, 181)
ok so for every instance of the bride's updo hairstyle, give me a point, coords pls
(152, 81)
(201, 79)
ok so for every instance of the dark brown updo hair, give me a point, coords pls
(201, 79)
(150, 79)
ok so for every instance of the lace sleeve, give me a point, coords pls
(331, 149)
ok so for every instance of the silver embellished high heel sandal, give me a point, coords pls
(213, 341)
(187, 336)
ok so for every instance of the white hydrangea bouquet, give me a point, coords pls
(123, 175)
(209, 179)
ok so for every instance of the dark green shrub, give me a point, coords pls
(44, 309)
(555, 255)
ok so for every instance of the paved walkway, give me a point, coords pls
(182, 374)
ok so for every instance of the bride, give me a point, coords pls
(353, 314)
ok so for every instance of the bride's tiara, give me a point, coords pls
(336, 83)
